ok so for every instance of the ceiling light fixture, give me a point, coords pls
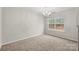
(47, 11)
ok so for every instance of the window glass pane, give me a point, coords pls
(51, 26)
(56, 23)
(60, 27)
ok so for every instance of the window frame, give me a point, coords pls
(54, 28)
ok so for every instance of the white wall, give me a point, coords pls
(20, 23)
(78, 16)
(0, 26)
(70, 26)
(78, 25)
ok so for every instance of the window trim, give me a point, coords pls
(54, 29)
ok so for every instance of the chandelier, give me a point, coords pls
(47, 11)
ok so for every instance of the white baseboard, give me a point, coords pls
(64, 37)
(21, 39)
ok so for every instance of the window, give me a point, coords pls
(56, 23)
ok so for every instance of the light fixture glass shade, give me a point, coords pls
(47, 11)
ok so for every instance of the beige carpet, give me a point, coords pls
(42, 43)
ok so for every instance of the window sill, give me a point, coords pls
(56, 30)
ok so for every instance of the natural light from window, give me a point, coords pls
(56, 23)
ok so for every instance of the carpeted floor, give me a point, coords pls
(42, 43)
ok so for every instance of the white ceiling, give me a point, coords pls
(56, 9)
(52, 9)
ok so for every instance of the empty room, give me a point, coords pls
(39, 28)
